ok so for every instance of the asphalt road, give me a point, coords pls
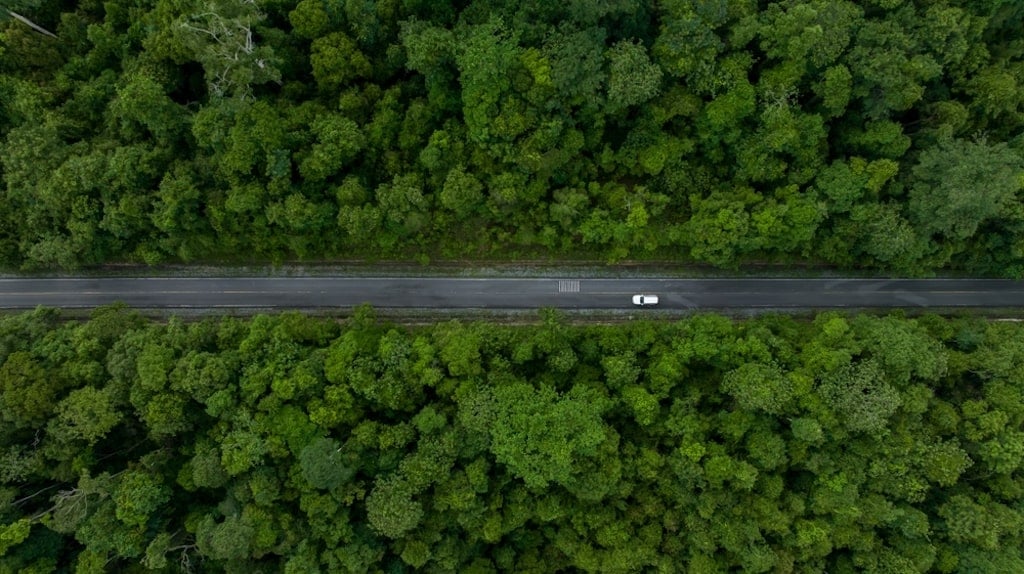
(505, 293)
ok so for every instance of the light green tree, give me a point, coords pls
(960, 184)
(632, 78)
(544, 437)
(391, 509)
(860, 394)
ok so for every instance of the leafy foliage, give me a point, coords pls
(882, 134)
(291, 444)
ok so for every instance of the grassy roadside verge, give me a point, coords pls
(465, 268)
(572, 317)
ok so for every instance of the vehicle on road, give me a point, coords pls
(645, 300)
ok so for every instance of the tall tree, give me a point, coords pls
(961, 184)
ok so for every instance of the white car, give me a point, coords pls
(645, 300)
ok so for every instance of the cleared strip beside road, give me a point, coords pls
(504, 293)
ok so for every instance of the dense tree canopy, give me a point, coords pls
(299, 445)
(885, 134)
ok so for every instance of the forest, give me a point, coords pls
(843, 444)
(884, 135)
(879, 135)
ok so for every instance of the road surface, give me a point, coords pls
(504, 293)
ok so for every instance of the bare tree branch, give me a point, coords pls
(30, 23)
(35, 494)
